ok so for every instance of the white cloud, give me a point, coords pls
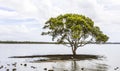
(104, 12)
(6, 14)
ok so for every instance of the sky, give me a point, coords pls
(22, 20)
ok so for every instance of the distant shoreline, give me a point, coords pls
(36, 42)
(25, 42)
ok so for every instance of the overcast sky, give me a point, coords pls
(24, 19)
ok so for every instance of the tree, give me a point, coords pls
(74, 30)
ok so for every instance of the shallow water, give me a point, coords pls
(111, 62)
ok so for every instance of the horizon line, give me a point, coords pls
(43, 42)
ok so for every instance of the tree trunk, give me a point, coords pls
(74, 50)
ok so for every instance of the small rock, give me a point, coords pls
(1, 67)
(116, 68)
(33, 67)
(14, 64)
(45, 68)
(25, 64)
(8, 64)
(7, 69)
(14, 69)
(82, 68)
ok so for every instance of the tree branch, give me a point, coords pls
(84, 43)
(71, 42)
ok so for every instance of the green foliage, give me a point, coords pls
(75, 29)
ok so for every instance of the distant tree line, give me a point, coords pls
(40, 42)
(26, 42)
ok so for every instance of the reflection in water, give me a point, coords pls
(79, 66)
(74, 66)
(83, 65)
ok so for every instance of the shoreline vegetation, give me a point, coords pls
(39, 42)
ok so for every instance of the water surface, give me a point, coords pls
(111, 61)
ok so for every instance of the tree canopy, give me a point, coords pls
(75, 29)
